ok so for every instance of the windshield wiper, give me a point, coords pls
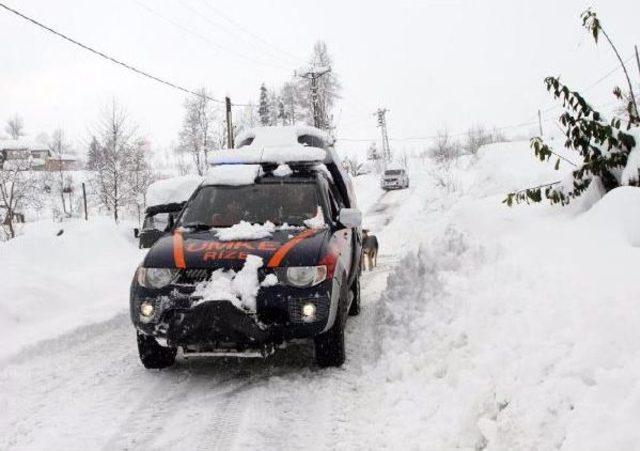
(197, 226)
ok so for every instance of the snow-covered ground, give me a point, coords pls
(483, 327)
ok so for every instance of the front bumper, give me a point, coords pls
(393, 184)
(182, 321)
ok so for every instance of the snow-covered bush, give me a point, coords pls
(608, 148)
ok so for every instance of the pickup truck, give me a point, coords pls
(264, 252)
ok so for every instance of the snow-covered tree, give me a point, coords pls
(610, 156)
(246, 119)
(292, 99)
(478, 136)
(141, 175)
(444, 148)
(19, 187)
(111, 159)
(59, 146)
(264, 106)
(374, 155)
(201, 130)
(318, 100)
(282, 113)
(15, 127)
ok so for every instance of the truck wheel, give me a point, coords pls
(329, 346)
(152, 355)
(354, 310)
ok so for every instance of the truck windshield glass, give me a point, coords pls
(224, 206)
(393, 172)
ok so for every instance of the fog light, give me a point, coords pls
(308, 312)
(147, 309)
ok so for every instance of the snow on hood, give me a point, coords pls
(172, 190)
(246, 231)
(233, 174)
(240, 288)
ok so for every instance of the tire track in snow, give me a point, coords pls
(88, 390)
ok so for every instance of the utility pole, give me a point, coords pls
(637, 58)
(227, 102)
(382, 123)
(540, 122)
(319, 113)
(84, 198)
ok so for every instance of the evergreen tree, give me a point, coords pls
(263, 108)
(282, 114)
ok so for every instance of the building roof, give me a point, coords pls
(19, 144)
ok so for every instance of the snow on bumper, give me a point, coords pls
(185, 320)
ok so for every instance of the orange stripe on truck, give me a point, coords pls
(282, 252)
(178, 250)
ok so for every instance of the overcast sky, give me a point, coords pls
(434, 64)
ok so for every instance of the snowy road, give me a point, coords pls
(476, 333)
(87, 389)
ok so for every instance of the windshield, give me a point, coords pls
(394, 172)
(224, 206)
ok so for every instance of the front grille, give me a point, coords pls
(196, 275)
(193, 276)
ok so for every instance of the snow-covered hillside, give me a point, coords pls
(483, 327)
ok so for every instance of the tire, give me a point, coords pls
(329, 346)
(354, 310)
(152, 355)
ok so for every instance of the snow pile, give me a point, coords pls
(282, 170)
(246, 231)
(511, 328)
(54, 284)
(233, 174)
(615, 218)
(172, 190)
(240, 288)
(509, 166)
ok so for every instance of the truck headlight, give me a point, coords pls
(306, 276)
(155, 277)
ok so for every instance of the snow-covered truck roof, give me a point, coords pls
(284, 145)
(173, 190)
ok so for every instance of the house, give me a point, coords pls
(21, 149)
(62, 163)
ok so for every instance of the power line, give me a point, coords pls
(114, 60)
(432, 137)
(273, 50)
(206, 39)
(592, 85)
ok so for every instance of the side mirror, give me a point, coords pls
(136, 232)
(350, 217)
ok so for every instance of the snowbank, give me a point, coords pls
(512, 328)
(53, 284)
(508, 166)
(172, 190)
